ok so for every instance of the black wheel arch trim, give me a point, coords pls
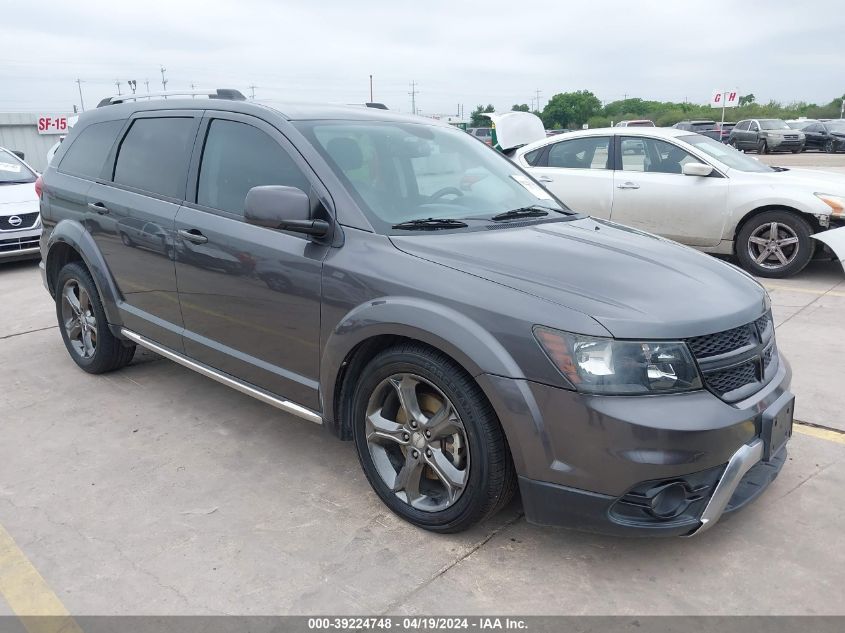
(74, 235)
(445, 329)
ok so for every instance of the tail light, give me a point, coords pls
(39, 187)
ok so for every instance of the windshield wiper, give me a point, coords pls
(430, 224)
(522, 212)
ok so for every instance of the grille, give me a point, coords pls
(27, 220)
(738, 358)
(17, 244)
(762, 324)
(768, 355)
(733, 378)
(721, 342)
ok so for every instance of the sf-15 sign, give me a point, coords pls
(724, 99)
(53, 124)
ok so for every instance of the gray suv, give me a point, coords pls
(417, 293)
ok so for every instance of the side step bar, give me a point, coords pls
(259, 394)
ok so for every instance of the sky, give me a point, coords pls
(460, 52)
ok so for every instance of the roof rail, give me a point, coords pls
(213, 93)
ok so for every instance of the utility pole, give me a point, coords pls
(842, 108)
(193, 87)
(414, 92)
(163, 80)
(371, 88)
(81, 102)
(252, 88)
(133, 85)
(537, 92)
(147, 84)
(117, 83)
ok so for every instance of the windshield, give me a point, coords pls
(799, 125)
(400, 172)
(12, 170)
(836, 126)
(773, 124)
(725, 154)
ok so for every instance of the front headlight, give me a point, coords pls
(836, 203)
(608, 366)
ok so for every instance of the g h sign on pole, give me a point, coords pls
(724, 99)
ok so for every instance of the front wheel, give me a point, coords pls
(829, 147)
(762, 147)
(430, 444)
(83, 325)
(775, 244)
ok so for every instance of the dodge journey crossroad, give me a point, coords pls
(415, 292)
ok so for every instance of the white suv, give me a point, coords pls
(20, 223)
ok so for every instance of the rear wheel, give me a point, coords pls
(829, 147)
(775, 244)
(762, 147)
(83, 325)
(429, 442)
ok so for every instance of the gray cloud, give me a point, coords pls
(459, 52)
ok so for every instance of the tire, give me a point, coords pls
(789, 225)
(100, 351)
(798, 150)
(127, 241)
(762, 147)
(732, 143)
(471, 440)
(829, 147)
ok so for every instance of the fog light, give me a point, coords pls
(670, 501)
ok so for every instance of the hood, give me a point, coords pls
(635, 284)
(823, 181)
(19, 193)
(515, 129)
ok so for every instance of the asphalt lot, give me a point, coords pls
(156, 491)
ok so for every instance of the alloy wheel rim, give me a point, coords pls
(78, 319)
(773, 245)
(417, 442)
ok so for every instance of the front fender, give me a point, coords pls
(74, 235)
(446, 329)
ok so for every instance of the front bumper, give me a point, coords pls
(591, 462)
(776, 143)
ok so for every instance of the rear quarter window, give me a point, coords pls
(87, 153)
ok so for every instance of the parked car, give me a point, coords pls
(724, 130)
(825, 136)
(20, 224)
(693, 190)
(766, 135)
(636, 123)
(468, 341)
(484, 134)
(705, 127)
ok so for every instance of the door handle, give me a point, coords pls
(98, 207)
(193, 235)
(628, 185)
(544, 179)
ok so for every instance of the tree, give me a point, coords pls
(746, 99)
(570, 109)
(477, 120)
(520, 107)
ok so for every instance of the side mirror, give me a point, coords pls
(282, 208)
(697, 169)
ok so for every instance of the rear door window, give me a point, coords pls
(581, 153)
(88, 152)
(154, 155)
